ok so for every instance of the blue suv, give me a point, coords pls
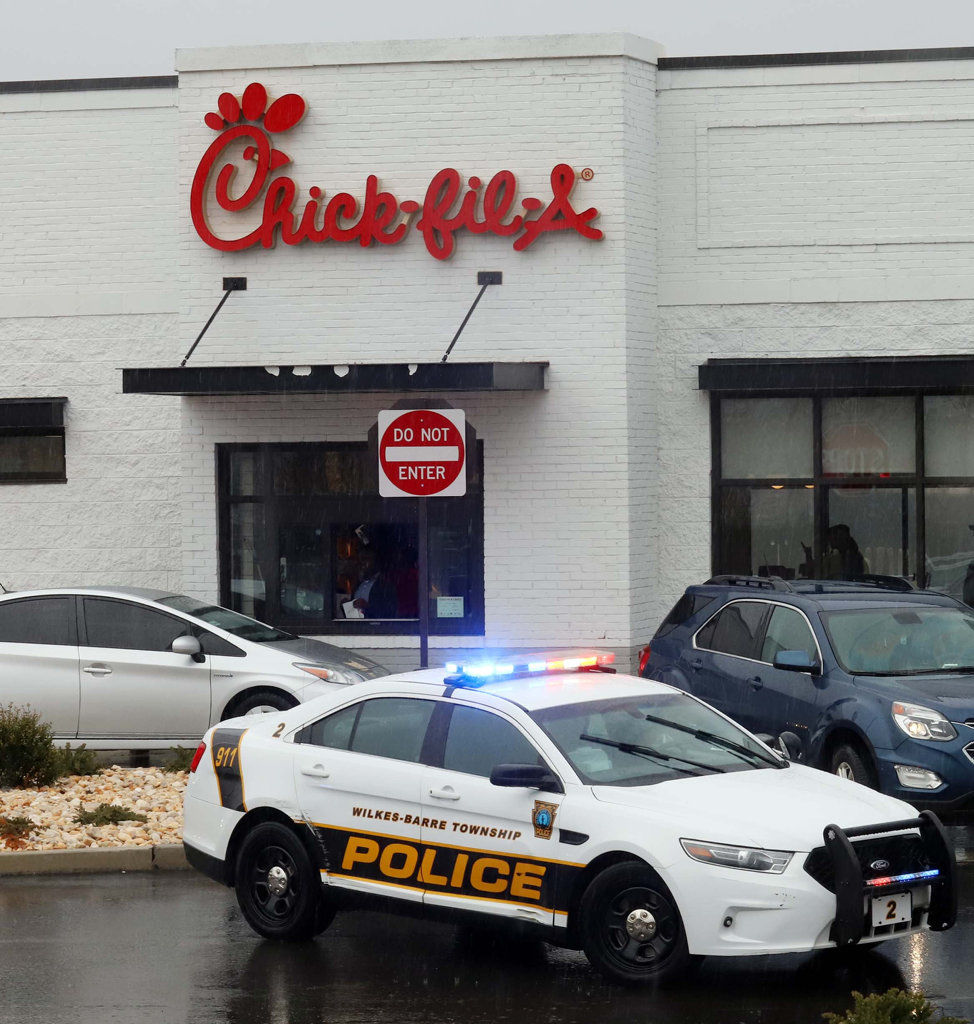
(871, 683)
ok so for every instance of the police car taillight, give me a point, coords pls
(197, 757)
(485, 670)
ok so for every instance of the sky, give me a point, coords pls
(47, 39)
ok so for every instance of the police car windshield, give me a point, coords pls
(623, 722)
(232, 622)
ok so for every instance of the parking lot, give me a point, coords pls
(172, 947)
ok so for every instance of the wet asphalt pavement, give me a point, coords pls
(171, 948)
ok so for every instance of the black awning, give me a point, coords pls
(333, 379)
(811, 376)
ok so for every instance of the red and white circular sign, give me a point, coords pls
(422, 453)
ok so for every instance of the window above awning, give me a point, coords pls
(828, 376)
(334, 378)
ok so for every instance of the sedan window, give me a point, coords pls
(478, 741)
(38, 620)
(130, 627)
(393, 727)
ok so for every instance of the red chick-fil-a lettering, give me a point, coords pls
(451, 205)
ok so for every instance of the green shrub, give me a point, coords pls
(78, 761)
(28, 756)
(893, 1007)
(182, 758)
(107, 814)
(16, 827)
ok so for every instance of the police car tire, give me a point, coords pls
(606, 904)
(272, 852)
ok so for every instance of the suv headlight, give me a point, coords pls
(920, 723)
(746, 857)
(328, 675)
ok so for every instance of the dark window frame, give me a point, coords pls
(918, 480)
(277, 507)
(34, 417)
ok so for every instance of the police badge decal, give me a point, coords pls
(543, 819)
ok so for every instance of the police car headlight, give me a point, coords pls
(920, 723)
(771, 861)
(328, 675)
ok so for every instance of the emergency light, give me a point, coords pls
(913, 876)
(539, 664)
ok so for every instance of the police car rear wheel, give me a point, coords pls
(276, 885)
(631, 928)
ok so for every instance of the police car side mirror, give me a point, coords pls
(530, 776)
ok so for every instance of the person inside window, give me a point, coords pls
(843, 559)
(375, 596)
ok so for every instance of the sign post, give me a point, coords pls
(422, 454)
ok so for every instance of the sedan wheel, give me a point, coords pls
(276, 884)
(631, 928)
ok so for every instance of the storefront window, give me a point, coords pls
(851, 492)
(767, 531)
(318, 551)
(766, 437)
(868, 436)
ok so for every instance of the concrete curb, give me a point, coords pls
(168, 857)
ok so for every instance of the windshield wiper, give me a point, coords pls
(736, 748)
(636, 748)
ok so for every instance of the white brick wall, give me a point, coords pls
(748, 212)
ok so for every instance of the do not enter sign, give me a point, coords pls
(422, 453)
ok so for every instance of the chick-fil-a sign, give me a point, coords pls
(450, 205)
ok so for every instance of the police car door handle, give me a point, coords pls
(755, 682)
(446, 793)
(316, 772)
(696, 663)
(97, 670)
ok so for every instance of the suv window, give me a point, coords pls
(734, 630)
(38, 620)
(393, 727)
(477, 741)
(130, 627)
(787, 631)
(684, 609)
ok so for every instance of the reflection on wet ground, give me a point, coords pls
(172, 948)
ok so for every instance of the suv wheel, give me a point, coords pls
(630, 927)
(848, 762)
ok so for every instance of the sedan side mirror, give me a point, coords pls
(790, 745)
(797, 661)
(529, 776)
(190, 646)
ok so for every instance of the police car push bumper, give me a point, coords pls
(715, 853)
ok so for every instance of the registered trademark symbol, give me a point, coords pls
(587, 174)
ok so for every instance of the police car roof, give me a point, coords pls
(540, 690)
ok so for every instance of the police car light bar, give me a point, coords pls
(487, 670)
(914, 876)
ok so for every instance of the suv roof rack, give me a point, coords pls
(870, 581)
(765, 582)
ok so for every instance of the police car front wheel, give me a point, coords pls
(277, 887)
(631, 928)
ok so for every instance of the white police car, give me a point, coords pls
(602, 811)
